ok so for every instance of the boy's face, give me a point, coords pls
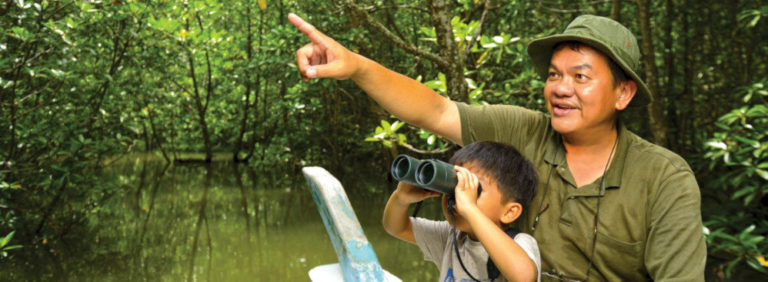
(489, 201)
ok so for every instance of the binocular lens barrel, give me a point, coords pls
(436, 176)
(433, 175)
(404, 169)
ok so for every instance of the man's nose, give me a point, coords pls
(564, 87)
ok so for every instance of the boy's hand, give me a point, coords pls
(408, 194)
(323, 56)
(466, 190)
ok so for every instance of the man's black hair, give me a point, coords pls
(513, 173)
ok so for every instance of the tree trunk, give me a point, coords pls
(456, 85)
(156, 136)
(616, 10)
(450, 60)
(656, 108)
(686, 117)
(675, 142)
(201, 109)
(246, 105)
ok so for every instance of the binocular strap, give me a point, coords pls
(491, 268)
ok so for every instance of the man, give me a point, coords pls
(611, 206)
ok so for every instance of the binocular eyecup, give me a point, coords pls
(431, 174)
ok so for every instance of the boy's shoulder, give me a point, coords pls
(522, 237)
(531, 248)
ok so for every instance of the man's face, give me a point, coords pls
(579, 91)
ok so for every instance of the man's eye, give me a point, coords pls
(553, 75)
(581, 77)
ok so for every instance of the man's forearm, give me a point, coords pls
(408, 99)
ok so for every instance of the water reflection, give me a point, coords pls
(215, 222)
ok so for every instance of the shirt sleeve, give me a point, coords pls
(508, 124)
(676, 248)
(431, 237)
(529, 245)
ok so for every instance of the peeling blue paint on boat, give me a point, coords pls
(356, 257)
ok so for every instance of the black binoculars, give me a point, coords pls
(431, 174)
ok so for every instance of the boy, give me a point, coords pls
(509, 183)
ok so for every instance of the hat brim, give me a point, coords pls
(541, 51)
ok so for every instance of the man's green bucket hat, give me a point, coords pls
(605, 35)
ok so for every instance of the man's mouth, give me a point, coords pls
(562, 109)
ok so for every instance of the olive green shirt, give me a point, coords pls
(650, 213)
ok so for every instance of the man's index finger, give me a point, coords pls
(307, 29)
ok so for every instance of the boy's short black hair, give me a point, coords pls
(514, 174)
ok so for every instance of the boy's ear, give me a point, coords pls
(512, 211)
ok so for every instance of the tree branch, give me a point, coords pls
(479, 29)
(425, 152)
(569, 11)
(372, 9)
(361, 13)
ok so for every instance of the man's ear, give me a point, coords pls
(626, 91)
(512, 211)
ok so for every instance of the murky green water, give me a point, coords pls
(217, 222)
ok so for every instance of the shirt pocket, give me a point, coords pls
(614, 256)
(620, 258)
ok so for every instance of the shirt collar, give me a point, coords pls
(616, 170)
(554, 148)
(555, 155)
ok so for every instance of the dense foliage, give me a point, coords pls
(84, 82)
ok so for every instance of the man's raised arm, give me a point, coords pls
(406, 98)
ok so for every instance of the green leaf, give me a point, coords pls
(21, 33)
(58, 167)
(6, 239)
(397, 125)
(757, 111)
(762, 173)
(755, 264)
(12, 247)
(470, 83)
(742, 192)
(386, 126)
(747, 230)
(57, 73)
(717, 144)
(22, 5)
(730, 266)
(753, 143)
(747, 97)
(754, 240)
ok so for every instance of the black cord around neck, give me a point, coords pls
(455, 235)
(597, 211)
(541, 210)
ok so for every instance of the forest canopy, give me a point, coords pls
(82, 82)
